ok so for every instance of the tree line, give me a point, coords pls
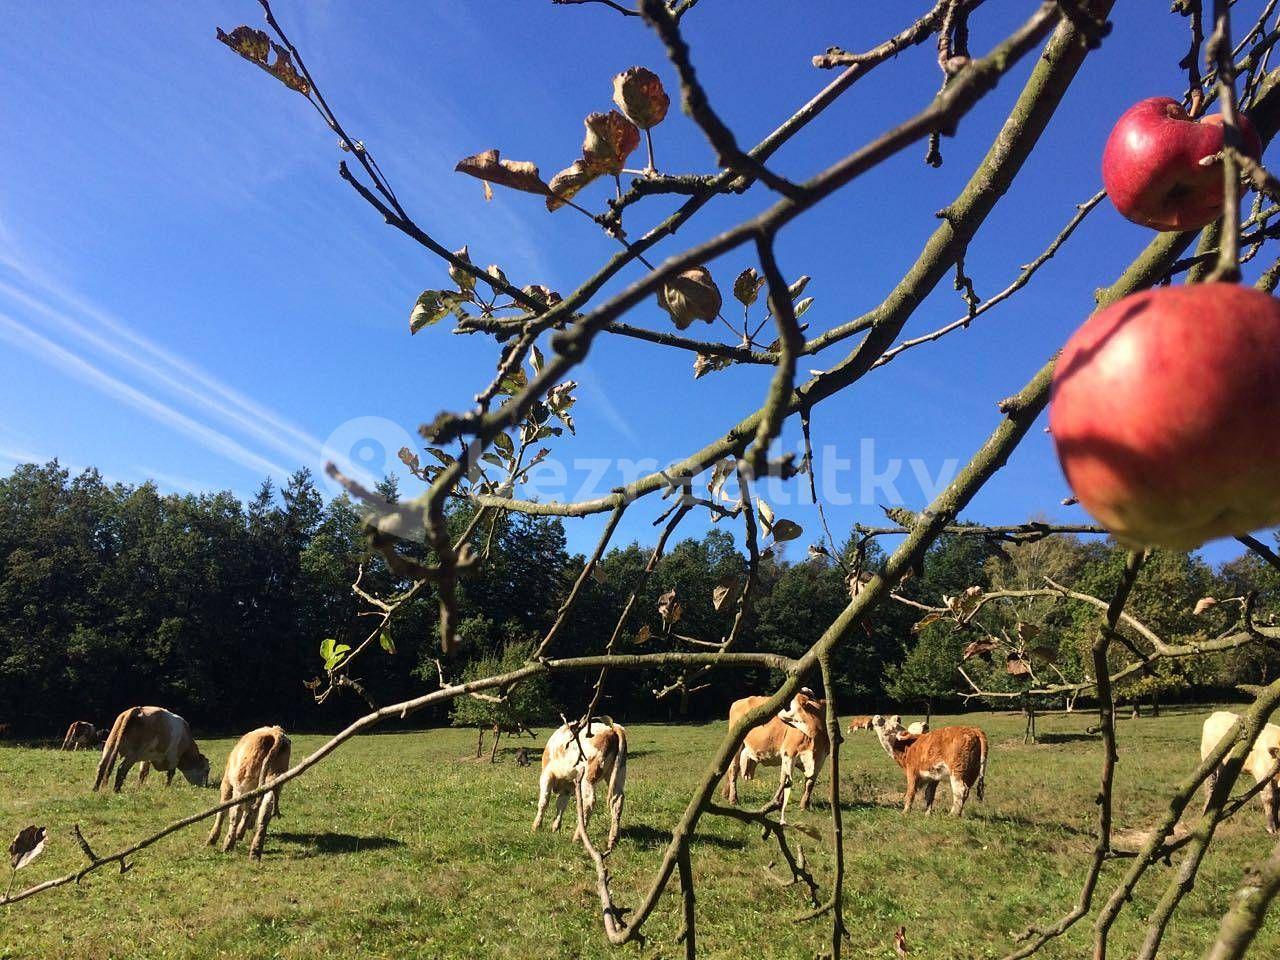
(115, 594)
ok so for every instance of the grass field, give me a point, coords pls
(400, 846)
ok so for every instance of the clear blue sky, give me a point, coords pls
(188, 292)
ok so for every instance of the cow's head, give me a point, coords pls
(196, 769)
(888, 730)
(805, 713)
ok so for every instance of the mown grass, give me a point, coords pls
(401, 846)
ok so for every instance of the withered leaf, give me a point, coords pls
(797, 288)
(725, 591)
(466, 281)
(747, 287)
(26, 846)
(1204, 603)
(639, 94)
(669, 608)
(720, 472)
(704, 364)
(924, 621)
(609, 140)
(802, 307)
(1043, 654)
(433, 306)
(857, 582)
(516, 174)
(689, 296)
(543, 294)
(560, 401)
(1016, 666)
(979, 648)
(256, 47)
(566, 184)
(642, 635)
(765, 512)
(785, 530)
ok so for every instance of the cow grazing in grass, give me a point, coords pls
(593, 755)
(259, 756)
(959, 753)
(859, 723)
(796, 739)
(1260, 763)
(81, 734)
(156, 738)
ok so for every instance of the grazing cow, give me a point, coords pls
(81, 733)
(795, 738)
(260, 755)
(956, 752)
(1260, 762)
(859, 723)
(158, 739)
(596, 754)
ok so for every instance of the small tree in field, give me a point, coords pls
(511, 711)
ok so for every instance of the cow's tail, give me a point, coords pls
(982, 765)
(112, 747)
(617, 785)
(279, 744)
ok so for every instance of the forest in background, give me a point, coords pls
(113, 595)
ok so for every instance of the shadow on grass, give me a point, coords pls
(647, 837)
(1047, 738)
(326, 844)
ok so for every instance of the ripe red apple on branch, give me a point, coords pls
(1165, 413)
(1152, 169)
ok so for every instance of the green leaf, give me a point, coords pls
(503, 443)
(333, 652)
(785, 530)
(387, 643)
(432, 306)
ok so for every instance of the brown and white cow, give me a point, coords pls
(859, 723)
(158, 739)
(260, 755)
(1260, 762)
(593, 755)
(959, 753)
(80, 734)
(796, 739)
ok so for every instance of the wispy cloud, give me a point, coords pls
(108, 336)
(45, 349)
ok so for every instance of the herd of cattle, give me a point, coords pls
(589, 758)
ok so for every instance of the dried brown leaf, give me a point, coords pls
(516, 174)
(609, 140)
(639, 94)
(565, 185)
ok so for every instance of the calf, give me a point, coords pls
(598, 753)
(259, 756)
(158, 739)
(1260, 762)
(956, 752)
(81, 733)
(795, 738)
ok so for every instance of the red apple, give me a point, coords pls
(1151, 165)
(1166, 414)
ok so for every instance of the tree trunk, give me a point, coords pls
(497, 735)
(480, 743)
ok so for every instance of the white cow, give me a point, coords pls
(1260, 762)
(590, 756)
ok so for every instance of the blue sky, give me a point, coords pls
(189, 293)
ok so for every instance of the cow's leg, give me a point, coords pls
(544, 796)
(168, 777)
(123, 771)
(562, 801)
(959, 794)
(220, 820)
(731, 784)
(911, 791)
(265, 808)
(930, 789)
(1269, 811)
(810, 771)
(784, 787)
(143, 770)
(616, 800)
(250, 815)
(234, 829)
